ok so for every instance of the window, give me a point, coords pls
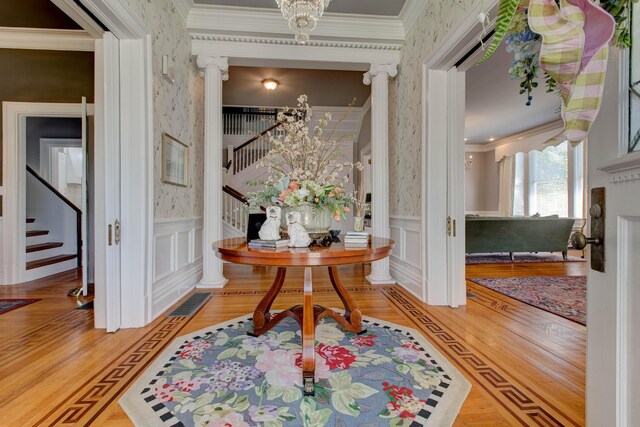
(550, 182)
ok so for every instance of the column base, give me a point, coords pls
(381, 280)
(212, 283)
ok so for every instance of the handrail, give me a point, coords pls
(258, 136)
(62, 197)
(235, 194)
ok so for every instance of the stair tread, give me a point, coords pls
(43, 246)
(31, 220)
(32, 233)
(48, 261)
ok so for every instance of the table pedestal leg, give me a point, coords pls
(308, 335)
(261, 315)
(352, 312)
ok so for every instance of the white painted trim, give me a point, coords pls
(411, 11)
(622, 310)
(14, 116)
(406, 231)
(520, 138)
(46, 39)
(624, 169)
(335, 55)
(483, 213)
(183, 7)
(174, 282)
(220, 19)
(118, 17)
(435, 286)
(82, 18)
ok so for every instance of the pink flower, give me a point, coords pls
(294, 185)
(284, 194)
(330, 195)
(347, 209)
(190, 384)
(280, 367)
(364, 341)
(164, 393)
(317, 200)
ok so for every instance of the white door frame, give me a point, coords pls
(440, 152)
(14, 115)
(135, 121)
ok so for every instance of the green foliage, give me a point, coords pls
(506, 11)
(620, 10)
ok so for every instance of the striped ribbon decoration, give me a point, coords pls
(574, 52)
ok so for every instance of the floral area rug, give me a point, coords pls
(565, 296)
(504, 258)
(8, 304)
(220, 376)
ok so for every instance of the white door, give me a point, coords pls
(613, 297)
(84, 203)
(455, 190)
(106, 156)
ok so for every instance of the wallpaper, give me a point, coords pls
(405, 104)
(177, 108)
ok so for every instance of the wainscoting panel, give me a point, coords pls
(405, 260)
(177, 260)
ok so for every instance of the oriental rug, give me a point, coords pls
(504, 258)
(220, 376)
(8, 304)
(565, 296)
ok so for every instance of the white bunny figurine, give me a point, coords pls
(270, 230)
(298, 236)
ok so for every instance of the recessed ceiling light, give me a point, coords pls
(270, 84)
(466, 139)
(491, 139)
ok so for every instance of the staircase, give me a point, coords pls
(53, 231)
(44, 254)
(235, 213)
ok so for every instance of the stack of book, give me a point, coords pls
(273, 244)
(356, 239)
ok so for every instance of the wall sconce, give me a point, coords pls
(270, 84)
(168, 72)
(468, 162)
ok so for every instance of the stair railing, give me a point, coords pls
(68, 202)
(235, 209)
(253, 150)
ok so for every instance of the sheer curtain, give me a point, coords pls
(507, 184)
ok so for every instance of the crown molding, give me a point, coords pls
(82, 18)
(221, 19)
(412, 10)
(555, 125)
(280, 52)
(46, 39)
(183, 7)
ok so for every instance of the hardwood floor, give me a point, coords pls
(526, 366)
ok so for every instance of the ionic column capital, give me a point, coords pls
(390, 70)
(221, 63)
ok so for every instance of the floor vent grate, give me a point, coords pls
(191, 305)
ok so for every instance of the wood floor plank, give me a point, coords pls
(526, 366)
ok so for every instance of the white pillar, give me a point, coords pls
(378, 77)
(214, 72)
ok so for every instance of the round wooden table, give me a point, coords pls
(307, 315)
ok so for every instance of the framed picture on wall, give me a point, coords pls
(175, 161)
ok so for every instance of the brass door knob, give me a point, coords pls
(580, 241)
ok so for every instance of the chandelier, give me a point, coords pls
(302, 15)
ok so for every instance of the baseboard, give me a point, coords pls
(49, 270)
(173, 287)
(407, 276)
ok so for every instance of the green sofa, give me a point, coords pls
(517, 234)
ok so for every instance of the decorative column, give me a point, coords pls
(378, 77)
(214, 73)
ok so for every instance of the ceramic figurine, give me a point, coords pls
(270, 229)
(298, 236)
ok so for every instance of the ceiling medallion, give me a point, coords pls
(302, 15)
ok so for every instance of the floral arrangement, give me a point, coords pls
(303, 166)
(513, 27)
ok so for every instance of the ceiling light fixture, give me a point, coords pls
(270, 84)
(302, 15)
(491, 139)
